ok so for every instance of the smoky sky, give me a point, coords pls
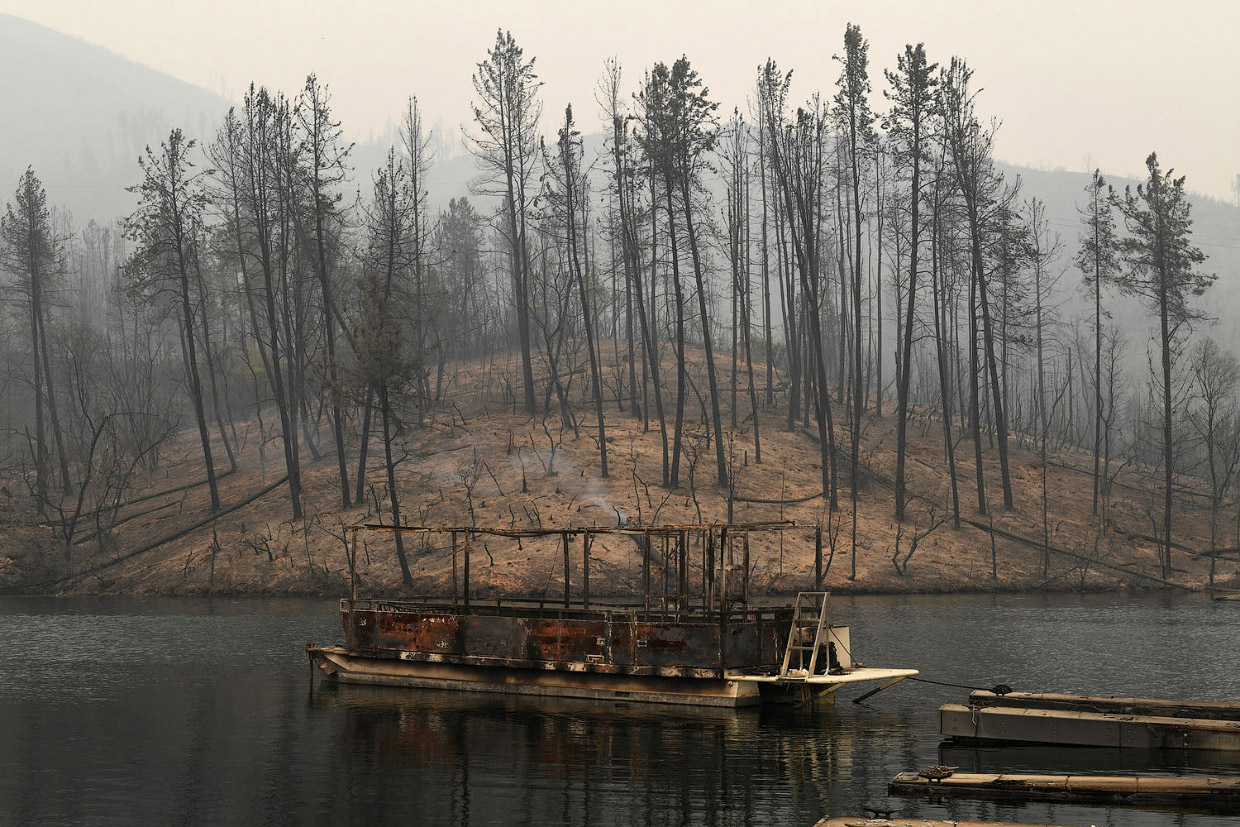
(1076, 84)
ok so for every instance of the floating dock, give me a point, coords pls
(1212, 794)
(1097, 721)
(854, 821)
(1213, 710)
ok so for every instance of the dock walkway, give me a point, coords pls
(1212, 793)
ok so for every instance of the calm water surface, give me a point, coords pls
(125, 711)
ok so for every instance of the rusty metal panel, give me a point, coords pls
(773, 640)
(623, 642)
(360, 629)
(665, 644)
(601, 640)
(677, 645)
(556, 640)
(439, 633)
(743, 646)
(494, 637)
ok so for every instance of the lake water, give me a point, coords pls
(155, 712)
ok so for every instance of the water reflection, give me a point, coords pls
(481, 759)
(1037, 758)
(202, 712)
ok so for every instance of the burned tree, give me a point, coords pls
(506, 113)
(909, 124)
(1162, 272)
(324, 167)
(979, 187)
(384, 368)
(168, 229)
(1097, 259)
(678, 130)
(33, 254)
(568, 192)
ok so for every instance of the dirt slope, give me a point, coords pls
(482, 464)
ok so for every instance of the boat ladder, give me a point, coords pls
(809, 622)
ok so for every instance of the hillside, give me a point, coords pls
(81, 116)
(484, 465)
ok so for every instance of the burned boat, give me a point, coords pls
(693, 637)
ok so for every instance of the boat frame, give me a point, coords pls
(694, 637)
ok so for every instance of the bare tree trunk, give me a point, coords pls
(195, 384)
(878, 285)
(945, 392)
(647, 325)
(36, 349)
(906, 359)
(1168, 436)
(52, 409)
(975, 413)
(217, 408)
(681, 379)
(698, 276)
(788, 300)
(363, 448)
(766, 273)
(567, 151)
(405, 575)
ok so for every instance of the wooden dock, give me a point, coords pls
(1213, 794)
(1087, 720)
(856, 821)
(1118, 705)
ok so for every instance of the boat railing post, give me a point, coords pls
(465, 585)
(682, 565)
(454, 583)
(818, 557)
(664, 552)
(705, 571)
(646, 571)
(586, 539)
(745, 546)
(353, 568)
(709, 538)
(723, 592)
(567, 566)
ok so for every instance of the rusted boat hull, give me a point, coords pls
(338, 664)
(693, 636)
(616, 653)
(600, 640)
(697, 657)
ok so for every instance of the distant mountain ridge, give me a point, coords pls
(81, 115)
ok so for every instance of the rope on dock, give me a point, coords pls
(998, 689)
